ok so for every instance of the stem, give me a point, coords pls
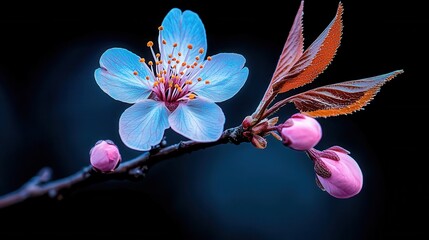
(41, 184)
(275, 108)
(266, 101)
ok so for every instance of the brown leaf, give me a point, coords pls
(314, 60)
(340, 98)
(294, 46)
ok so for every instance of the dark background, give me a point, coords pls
(52, 112)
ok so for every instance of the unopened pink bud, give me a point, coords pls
(105, 156)
(345, 178)
(300, 132)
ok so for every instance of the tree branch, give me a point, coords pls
(41, 184)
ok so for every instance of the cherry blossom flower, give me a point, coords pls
(178, 89)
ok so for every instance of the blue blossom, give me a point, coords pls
(178, 89)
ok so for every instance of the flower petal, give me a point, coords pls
(225, 74)
(198, 120)
(122, 76)
(142, 125)
(183, 28)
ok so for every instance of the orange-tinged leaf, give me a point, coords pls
(292, 52)
(293, 48)
(341, 98)
(315, 59)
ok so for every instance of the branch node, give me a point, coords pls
(138, 172)
(45, 174)
(159, 146)
(235, 135)
(180, 145)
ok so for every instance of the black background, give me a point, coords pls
(52, 112)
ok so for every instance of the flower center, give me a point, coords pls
(172, 105)
(174, 75)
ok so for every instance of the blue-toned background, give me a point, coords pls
(52, 112)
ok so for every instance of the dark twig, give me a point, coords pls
(41, 184)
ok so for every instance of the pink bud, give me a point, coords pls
(105, 156)
(345, 178)
(300, 132)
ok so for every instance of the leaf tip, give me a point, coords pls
(393, 74)
(399, 71)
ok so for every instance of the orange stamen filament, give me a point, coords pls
(176, 77)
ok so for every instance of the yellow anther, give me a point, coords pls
(199, 79)
(135, 73)
(162, 80)
(174, 44)
(191, 96)
(160, 61)
(190, 46)
(209, 58)
(150, 63)
(158, 75)
(164, 42)
(157, 63)
(170, 83)
(174, 66)
(142, 60)
(179, 89)
(158, 55)
(201, 51)
(165, 71)
(150, 44)
(189, 82)
(147, 77)
(176, 85)
(160, 28)
(207, 81)
(155, 83)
